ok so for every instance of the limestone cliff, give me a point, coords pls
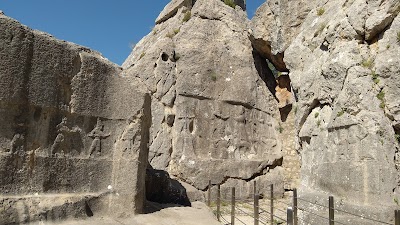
(305, 95)
(343, 58)
(214, 111)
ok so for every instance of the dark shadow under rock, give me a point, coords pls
(160, 188)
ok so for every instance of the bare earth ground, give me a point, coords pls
(198, 214)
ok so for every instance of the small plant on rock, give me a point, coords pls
(213, 76)
(375, 77)
(187, 16)
(319, 123)
(320, 11)
(381, 97)
(230, 3)
(320, 29)
(280, 128)
(367, 63)
(341, 113)
(316, 114)
(397, 137)
(398, 37)
(176, 31)
(142, 55)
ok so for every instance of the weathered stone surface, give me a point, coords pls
(214, 111)
(345, 123)
(69, 124)
(274, 26)
(172, 8)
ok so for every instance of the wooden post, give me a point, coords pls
(295, 220)
(255, 188)
(219, 203)
(256, 209)
(289, 216)
(331, 211)
(233, 207)
(209, 194)
(397, 217)
(272, 204)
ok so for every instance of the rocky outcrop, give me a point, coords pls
(72, 130)
(303, 96)
(343, 60)
(214, 112)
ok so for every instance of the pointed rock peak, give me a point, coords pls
(1, 12)
(172, 8)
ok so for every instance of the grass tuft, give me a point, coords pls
(367, 63)
(187, 16)
(320, 11)
(142, 55)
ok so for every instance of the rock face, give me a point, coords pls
(343, 59)
(214, 111)
(71, 130)
(306, 95)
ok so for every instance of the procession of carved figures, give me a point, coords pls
(65, 140)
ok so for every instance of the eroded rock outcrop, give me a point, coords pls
(343, 60)
(214, 112)
(73, 133)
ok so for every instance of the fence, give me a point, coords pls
(257, 213)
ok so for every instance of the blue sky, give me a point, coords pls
(103, 25)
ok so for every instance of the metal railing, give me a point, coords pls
(263, 216)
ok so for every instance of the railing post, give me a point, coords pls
(295, 220)
(397, 217)
(272, 204)
(209, 194)
(331, 211)
(233, 207)
(219, 203)
(255, 188)
(290, 216)
(256, 209)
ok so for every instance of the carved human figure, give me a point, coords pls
(17, 143)
(97, 134)
(62, 130)
(17, 149)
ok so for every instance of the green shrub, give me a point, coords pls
(387, 46)
(319, 123)
(187, 16)
(320, 11)
(230, 3)
(170, 35)
(316, 114)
